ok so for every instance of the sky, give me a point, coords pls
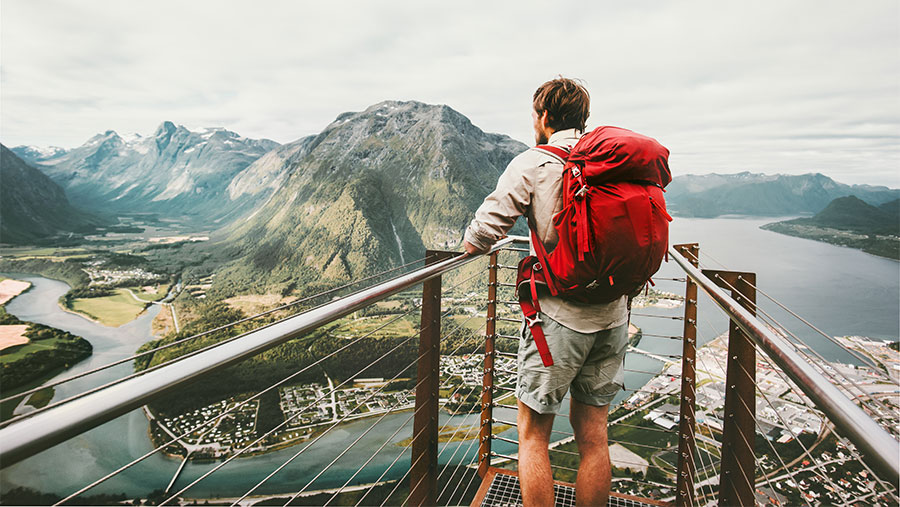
(768, 86)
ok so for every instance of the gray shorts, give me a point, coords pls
(592, 364)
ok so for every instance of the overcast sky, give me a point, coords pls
(771, 86)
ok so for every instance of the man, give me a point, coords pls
(587, 342)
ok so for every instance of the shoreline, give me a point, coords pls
(254, 499)
(259, 452)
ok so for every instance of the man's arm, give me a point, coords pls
(499, 211)
(472, 249)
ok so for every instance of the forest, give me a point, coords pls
(50, 349)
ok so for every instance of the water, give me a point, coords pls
(843, 291)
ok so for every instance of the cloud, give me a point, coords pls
(768, 86)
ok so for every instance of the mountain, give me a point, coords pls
(34, 154)
(850, 221)
(747, 193)
(373, 190)
(33, 207)
(175, 172)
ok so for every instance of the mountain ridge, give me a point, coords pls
(34, 208)
(173, 172)
(758, 194)
(375, 188)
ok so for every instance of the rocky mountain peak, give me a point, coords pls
(165, 128)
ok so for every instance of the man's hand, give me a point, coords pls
(472, 249)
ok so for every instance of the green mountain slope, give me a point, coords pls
(372, 191)
(32, 207)
(849, 221)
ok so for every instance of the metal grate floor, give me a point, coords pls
(504, 491)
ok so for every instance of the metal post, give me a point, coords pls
(687, 469)
(423, 470)
(737, 476)
(487, 381)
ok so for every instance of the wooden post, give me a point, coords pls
(687, 470)
(737, 477)
(487, 381)
(423, 468)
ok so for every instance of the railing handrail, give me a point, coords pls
(25, 438)
(879, 448)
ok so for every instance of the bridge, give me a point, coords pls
(755, 416)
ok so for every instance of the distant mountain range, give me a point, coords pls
(745, 193)
(175, 172)
(373, 190)
(33, 208)
(850, 221)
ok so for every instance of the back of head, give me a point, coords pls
(566, 101)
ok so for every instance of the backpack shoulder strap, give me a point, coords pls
(557, 152)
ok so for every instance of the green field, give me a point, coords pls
(14, 354)
(407, 326)
(113, 310)
(150, 296)
(48, 253)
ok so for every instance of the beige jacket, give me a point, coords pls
(531, 186)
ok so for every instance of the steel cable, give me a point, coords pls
(756, 422)
(813, 361)
(472, 478)
(398, 429)
(199, 335)
(234, 456)
(351, 445)
(885, 485)
(316, 401)
(143, 372)
(229, 411)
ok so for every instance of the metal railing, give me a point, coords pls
(694, 469)
(735, 466)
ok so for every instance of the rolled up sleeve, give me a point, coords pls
(499, 211)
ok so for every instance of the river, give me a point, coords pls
(843, 291)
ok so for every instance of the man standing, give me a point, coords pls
(587, 341)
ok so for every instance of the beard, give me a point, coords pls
(540, 137)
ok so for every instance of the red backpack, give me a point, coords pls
(613, 228)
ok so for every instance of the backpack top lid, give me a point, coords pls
(613, 154)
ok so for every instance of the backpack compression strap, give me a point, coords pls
(562, 155)
(531, 307)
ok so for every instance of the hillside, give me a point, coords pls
(746, 193)
(175, 172)
(849, 221)
(33, 208)
(373, 190)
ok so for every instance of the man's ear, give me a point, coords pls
(544, 119)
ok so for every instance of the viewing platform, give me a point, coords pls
(428, 417)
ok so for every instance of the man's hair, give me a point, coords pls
(566, 101)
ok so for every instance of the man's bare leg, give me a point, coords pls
(535, 476)
(593, 482)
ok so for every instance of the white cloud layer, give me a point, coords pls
(770, 86)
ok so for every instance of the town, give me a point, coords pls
(801, 460)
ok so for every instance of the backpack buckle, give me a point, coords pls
(532, 321)
(576, 172)
(537, 266)
(581, 191)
